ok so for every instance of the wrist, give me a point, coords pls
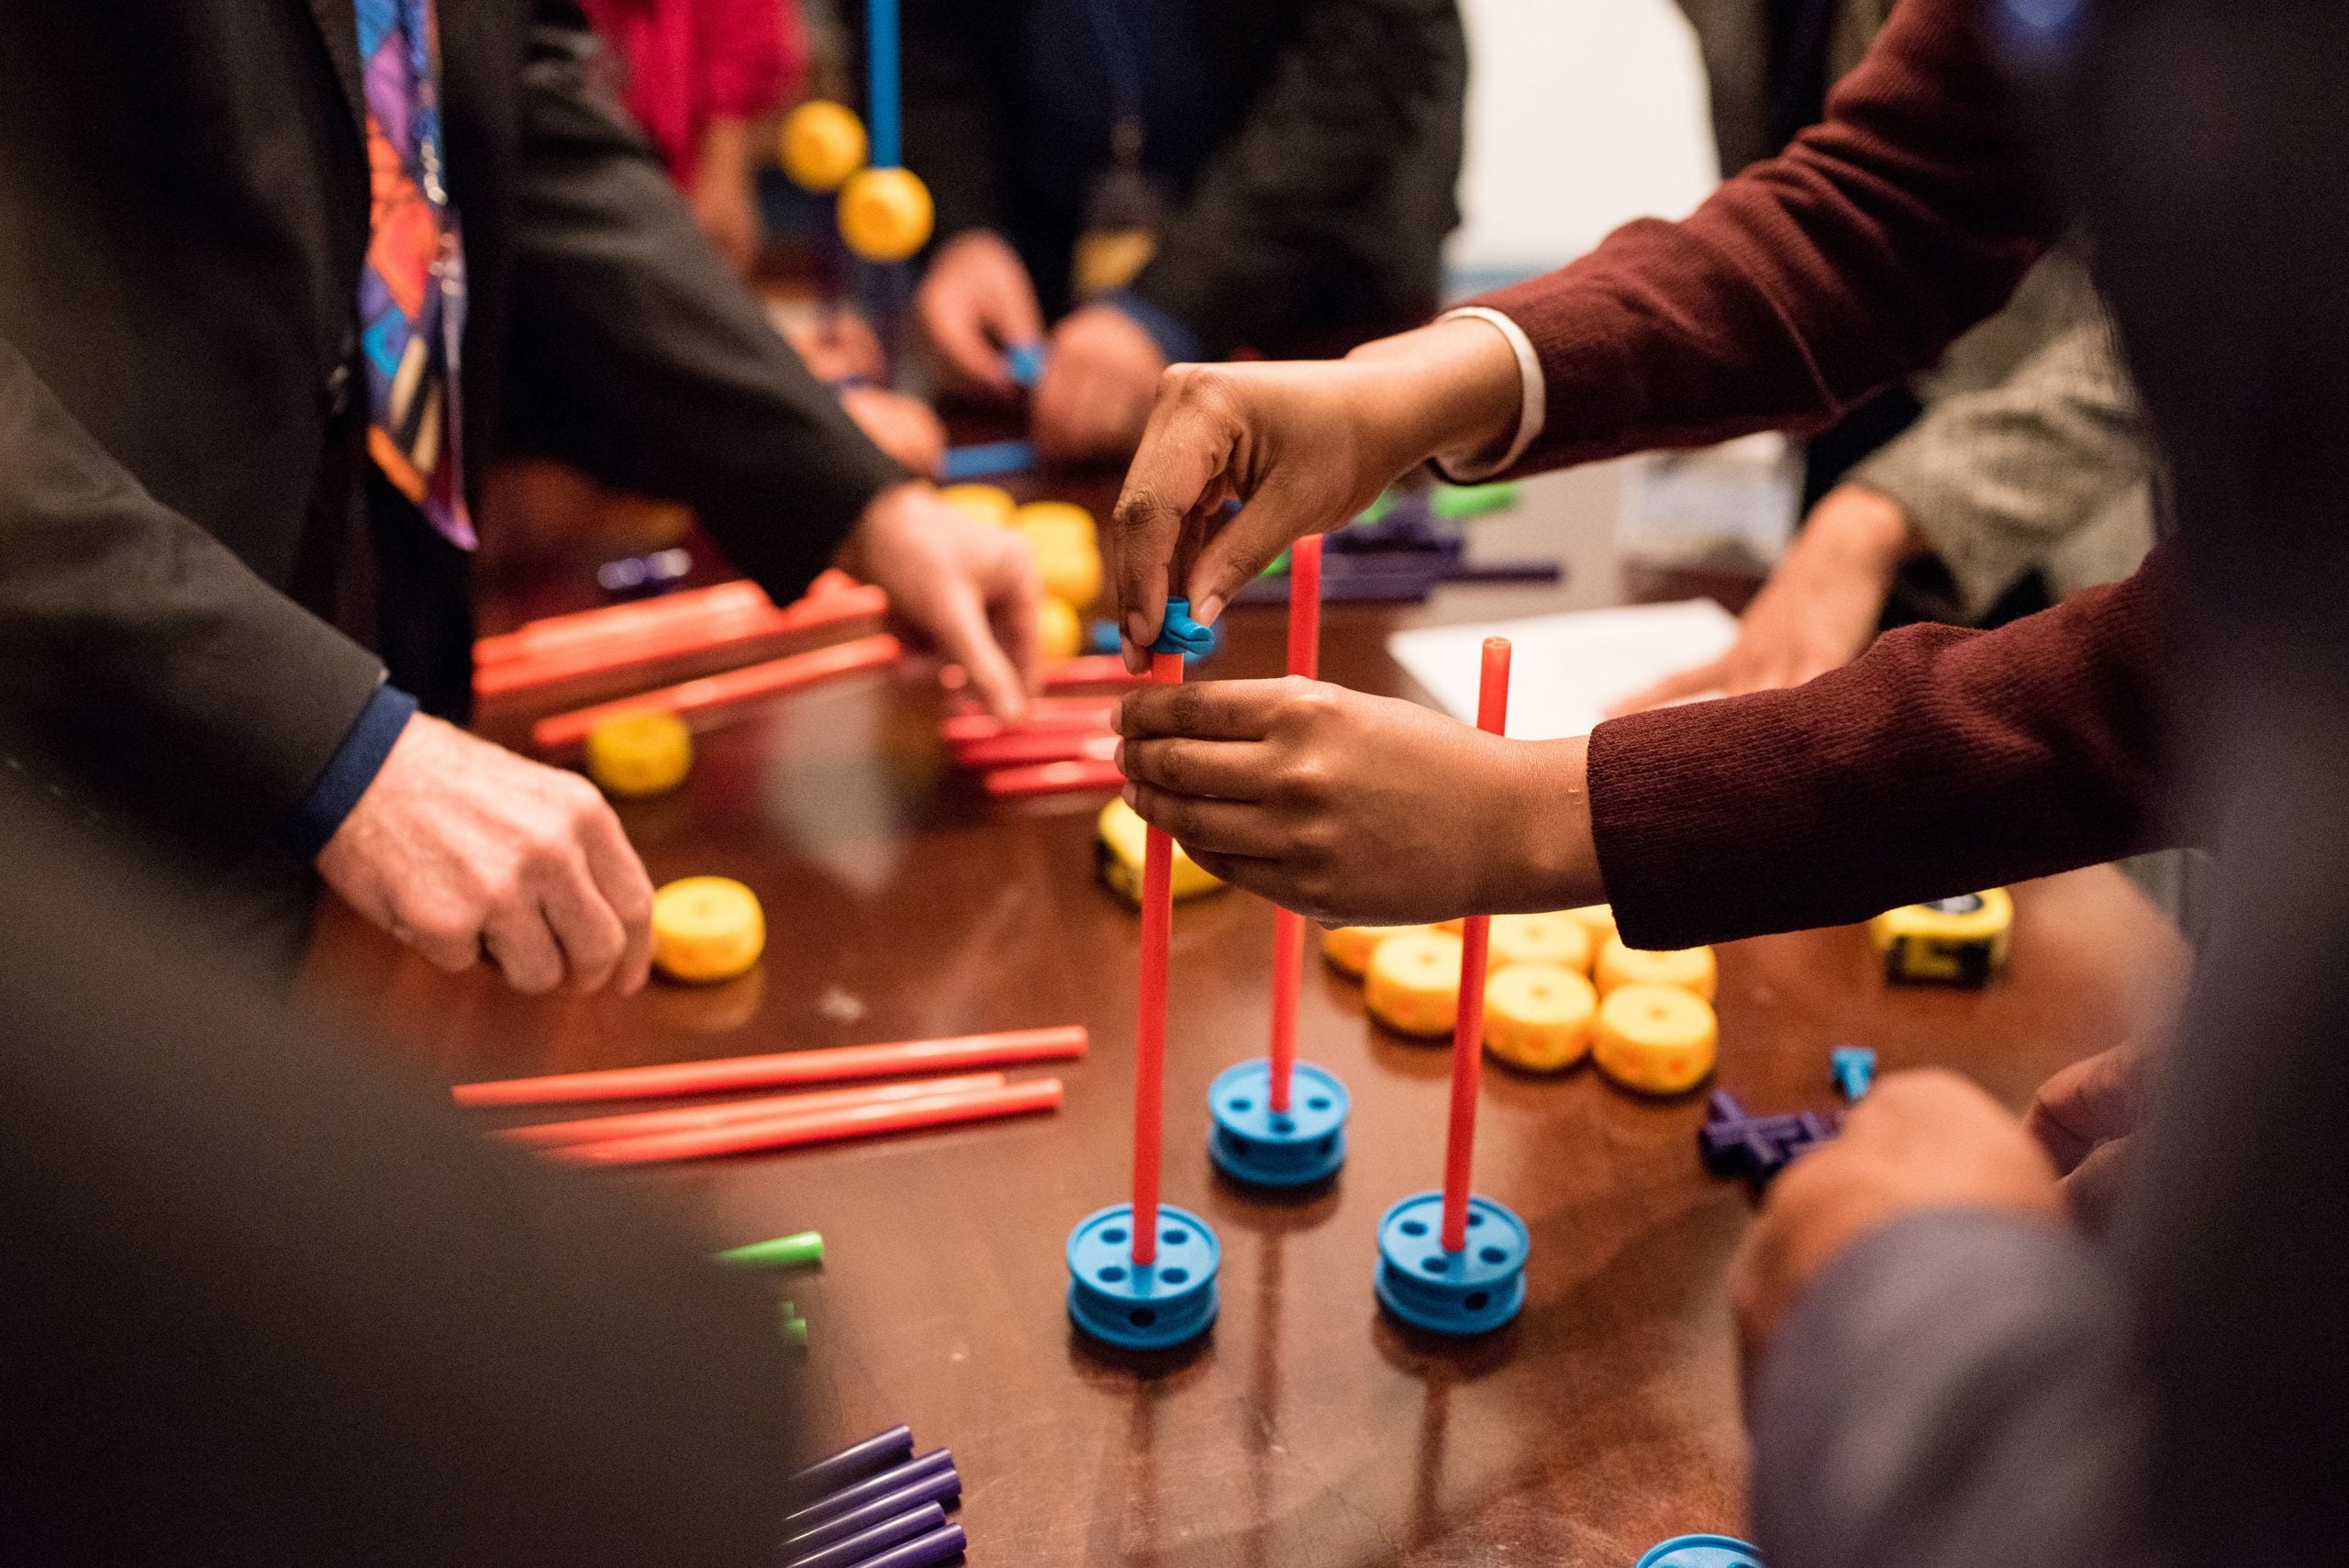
(1549, 858)
(1453, 386)
(1862, 530)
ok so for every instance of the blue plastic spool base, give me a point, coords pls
(1473, 1291)
(1701, 1552)
(1166, 1303)
(1303, 1144)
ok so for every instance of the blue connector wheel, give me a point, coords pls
(1473, 1291)
(1701, 1552)
(1148, 1306)
(1249, 1143)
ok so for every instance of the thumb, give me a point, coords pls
(1274, 517)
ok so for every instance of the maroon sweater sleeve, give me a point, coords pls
(1941, 761)
(1807, 283)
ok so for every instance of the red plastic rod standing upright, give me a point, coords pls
(1150, 1027)
(1288, 927)
(1468, 1032)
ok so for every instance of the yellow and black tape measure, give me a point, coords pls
(1950, 941)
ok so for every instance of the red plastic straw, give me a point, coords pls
(1288, 927)
(822, 1126)
(1045, 746)
(1149, 1026)
(773, 678)
(1092, 669)
(836, 1064)
(1468, 1032)
(1054, 778)
(1046, 716)
(582, 627)
(596, 1129)
(708, 633)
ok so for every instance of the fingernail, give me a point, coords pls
(1133, 796)
(1119, 756)
(1209, 607)
(1138, 629)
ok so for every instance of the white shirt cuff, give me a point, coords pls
(1462, 467)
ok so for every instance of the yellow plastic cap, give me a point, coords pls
(991, 503)
(1123, 837)
(820, 145)
(1689, 969)
(1059, 629)
(1413, 983)
(885, 214)
(650, 753)
(1070, 569)
(707, 929)
(1348, 947)
(1658, 1040)
(1556, 937)
(1537, 1016)
(1057, 517)
(1598, 919)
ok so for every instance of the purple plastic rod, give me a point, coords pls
(861, 1492)
(927, 1552)
(935, 1487)
(855, 1549)
(853, 1463)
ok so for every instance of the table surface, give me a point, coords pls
(1308, 1428)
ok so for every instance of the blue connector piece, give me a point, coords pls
(1024, 363)
(1180, 634)
(1250, 1142)
(992, 456)
(1143, 1306)
(1473, 1291)
(1853, 1067)
(1701, 1552)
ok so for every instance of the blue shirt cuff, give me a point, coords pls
(1174, 339)
(350, 771)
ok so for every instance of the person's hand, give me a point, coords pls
(2087, 1117)
(975, 302)
(1355, 809)
(460, 847)
(1920, 1140)
(1097, 386)
(721, 197)
(903, 427)
(1303, 445)
(1817, 612)
(964, 586)
(836, 346)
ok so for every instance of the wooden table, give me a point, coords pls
(1308, 1429)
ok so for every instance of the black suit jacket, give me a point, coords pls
(1323, 205)
(184, 208)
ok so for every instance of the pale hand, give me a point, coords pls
(1817, 612)
(964, 586)
(903, 427)
(2086, 1118)
(721, 197)
(460, 847)
(1355, 809)
(1098, 385)
(1920, 1140)
(976, 301)
(1303, 445)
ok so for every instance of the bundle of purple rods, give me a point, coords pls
(873, 1505)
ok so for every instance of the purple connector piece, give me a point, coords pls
(1737, 1145)
(924, 1551)
(852, 1550)
(853, 1463)
(938, 1487)
(857, 1494)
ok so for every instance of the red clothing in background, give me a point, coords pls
(1942, 760)
(690, 62)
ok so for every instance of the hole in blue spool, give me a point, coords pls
(1173, 1277)
(1113, 1273)
(1173, 1238)
(1318, 1103)
(1433, 1265)
(1494, 1255)
(1141, 1317)
(1475, 1219)
(1114, 1235)
(1476, 1301)
(1413, 1227)
(1326, 1145)
(1239, 1106)
(1284, 1124)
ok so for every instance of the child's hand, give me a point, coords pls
(1356, 809)
(903, 427)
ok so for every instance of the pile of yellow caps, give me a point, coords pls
(1067, 548)
(1558, 986)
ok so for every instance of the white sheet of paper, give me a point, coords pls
(1565, 668)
